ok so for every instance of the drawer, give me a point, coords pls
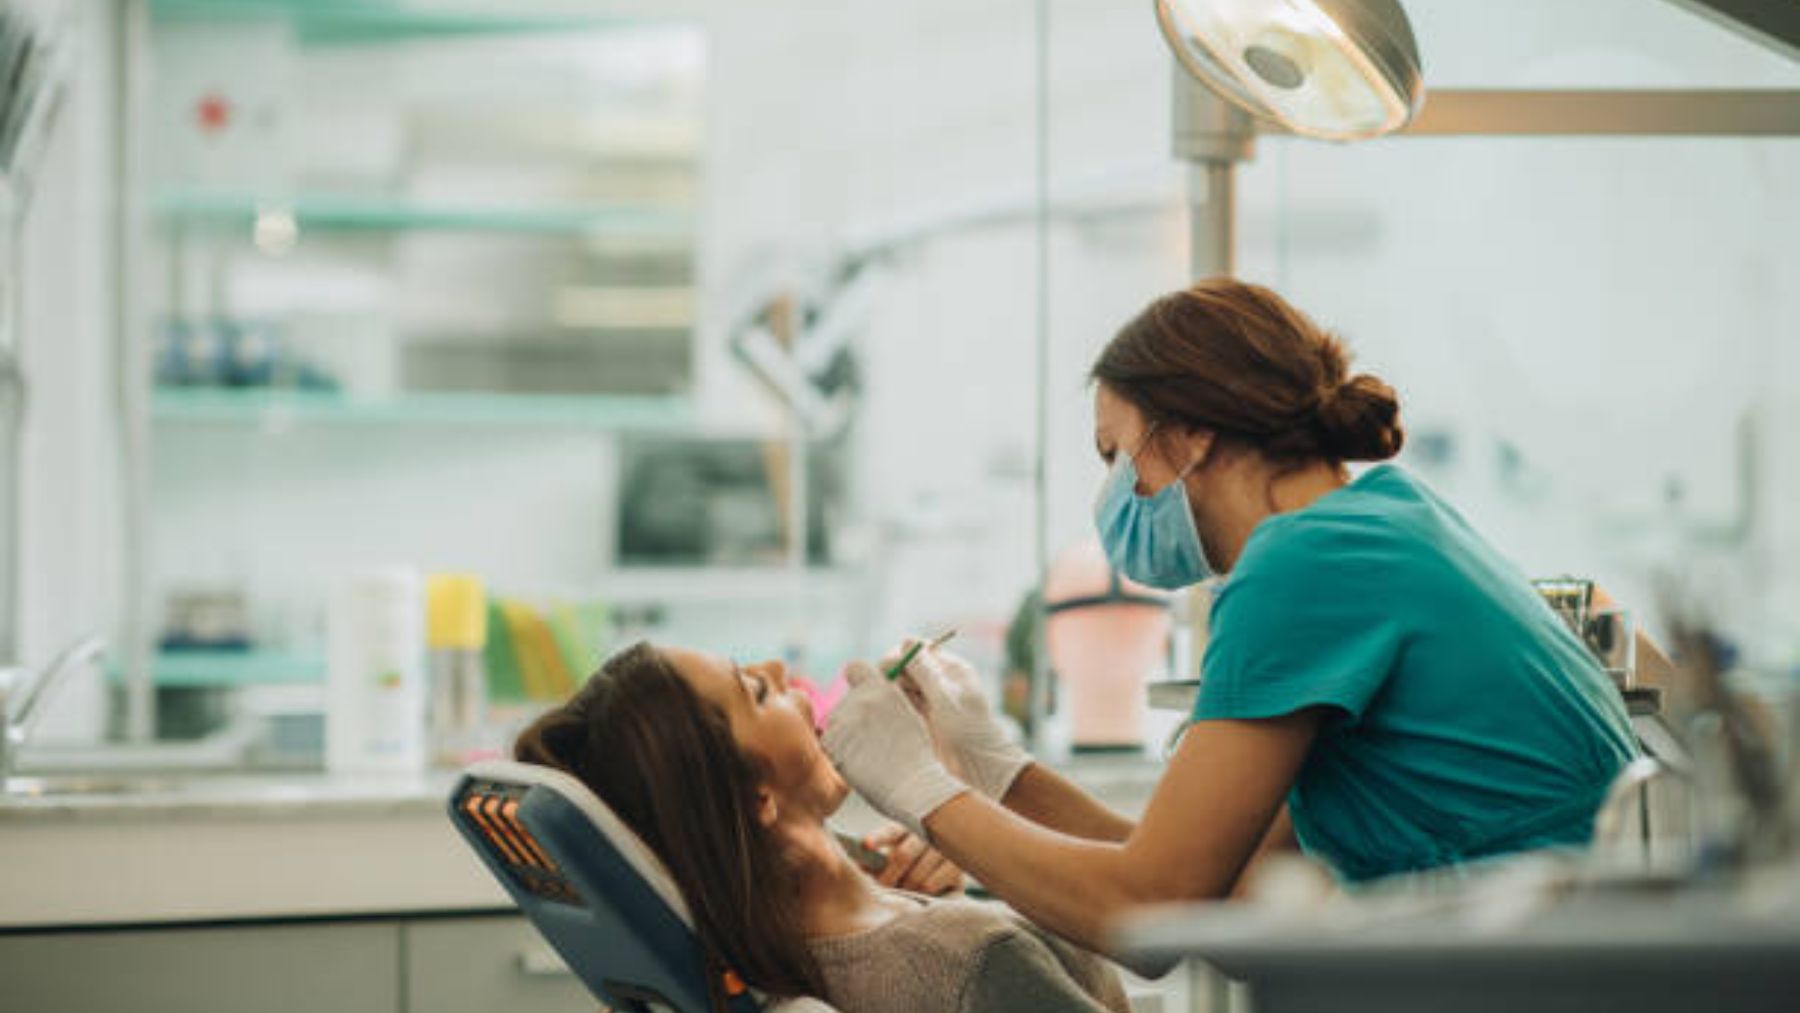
(346, 968)
(482, 965)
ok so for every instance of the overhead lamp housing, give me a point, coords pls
(1341, 70)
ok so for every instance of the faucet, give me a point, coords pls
(23, 695)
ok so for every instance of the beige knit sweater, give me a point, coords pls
(963, 956)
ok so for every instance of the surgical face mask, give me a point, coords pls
(1151, 539)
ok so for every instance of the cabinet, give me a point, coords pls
(477, 963)
(474, 964)
(470, 965)
(345, 968)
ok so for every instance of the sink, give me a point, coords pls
(64, 785)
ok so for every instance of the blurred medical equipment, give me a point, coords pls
(1107, 639)
(594, 890)
(1340, 70)
(1607, 631)
(687, 501)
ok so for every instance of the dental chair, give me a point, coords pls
(594, 890)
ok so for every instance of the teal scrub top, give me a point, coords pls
(1463, 719)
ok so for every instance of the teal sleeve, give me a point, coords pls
(1300, 623)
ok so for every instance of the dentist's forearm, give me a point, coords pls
(1071, 886)
(1048, 799)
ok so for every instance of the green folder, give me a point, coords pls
(505, 683)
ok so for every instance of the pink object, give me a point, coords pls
(824, 701)
(1106, 636)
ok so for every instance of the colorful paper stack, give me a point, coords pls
(542, 653)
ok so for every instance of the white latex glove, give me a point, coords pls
(969, 738)
(883, 749)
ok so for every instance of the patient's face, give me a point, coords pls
(773, 722)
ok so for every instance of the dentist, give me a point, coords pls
(1379, 681)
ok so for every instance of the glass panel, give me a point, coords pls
(1589, 336)
(1591, 44)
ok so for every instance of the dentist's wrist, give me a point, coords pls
(991, 770)
(919, 794)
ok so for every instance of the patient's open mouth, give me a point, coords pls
(820, 702)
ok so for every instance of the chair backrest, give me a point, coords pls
(590, 886)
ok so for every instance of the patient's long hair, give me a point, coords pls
(664, 759)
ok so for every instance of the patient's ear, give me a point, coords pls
(766, 810)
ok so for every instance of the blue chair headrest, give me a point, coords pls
(591, 886)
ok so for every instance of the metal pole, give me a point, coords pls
(1212, 219)
(12, 415)
(1041, 673)
(131, 371)
(1213, 136)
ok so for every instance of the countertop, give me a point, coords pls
(1119, 778)
(178, 849)
(244, 796)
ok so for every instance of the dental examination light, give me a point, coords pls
(1341, 70)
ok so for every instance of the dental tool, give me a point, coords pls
(913, 652)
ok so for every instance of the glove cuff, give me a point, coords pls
(993, 770)
(920, 794)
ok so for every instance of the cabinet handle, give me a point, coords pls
(542, 962)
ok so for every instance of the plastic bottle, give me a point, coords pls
(375, 695)
(456, 634)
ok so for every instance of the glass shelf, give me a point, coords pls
(236, 668)
(712, 584)
(377, 214)
(277, 407)
(353, 22)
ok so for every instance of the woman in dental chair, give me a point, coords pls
(717, 767)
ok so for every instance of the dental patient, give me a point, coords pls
(717, 767)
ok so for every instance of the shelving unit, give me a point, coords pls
(702, 585)
(374, 22)
(267, 407)
(675, 587)
(451, 274)
(236, 668)
(342, 212)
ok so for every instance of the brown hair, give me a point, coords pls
(1238, 360)
(664, 759)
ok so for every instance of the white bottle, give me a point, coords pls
(375, 694)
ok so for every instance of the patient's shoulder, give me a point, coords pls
(961, 923)
(949, 952)
(940, 932)
(927, 954)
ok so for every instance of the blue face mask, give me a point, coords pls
(1150, 539)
